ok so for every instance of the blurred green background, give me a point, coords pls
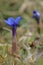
(14, 8)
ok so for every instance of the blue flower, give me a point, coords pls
(36, 15)
(13, 22)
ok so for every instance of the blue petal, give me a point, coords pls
(38, 14)
(6, 22)
(10, 21)
(18, 20)
(34, 12)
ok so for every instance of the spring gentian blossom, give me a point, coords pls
(14, 24)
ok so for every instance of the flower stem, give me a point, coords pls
(14, 40)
